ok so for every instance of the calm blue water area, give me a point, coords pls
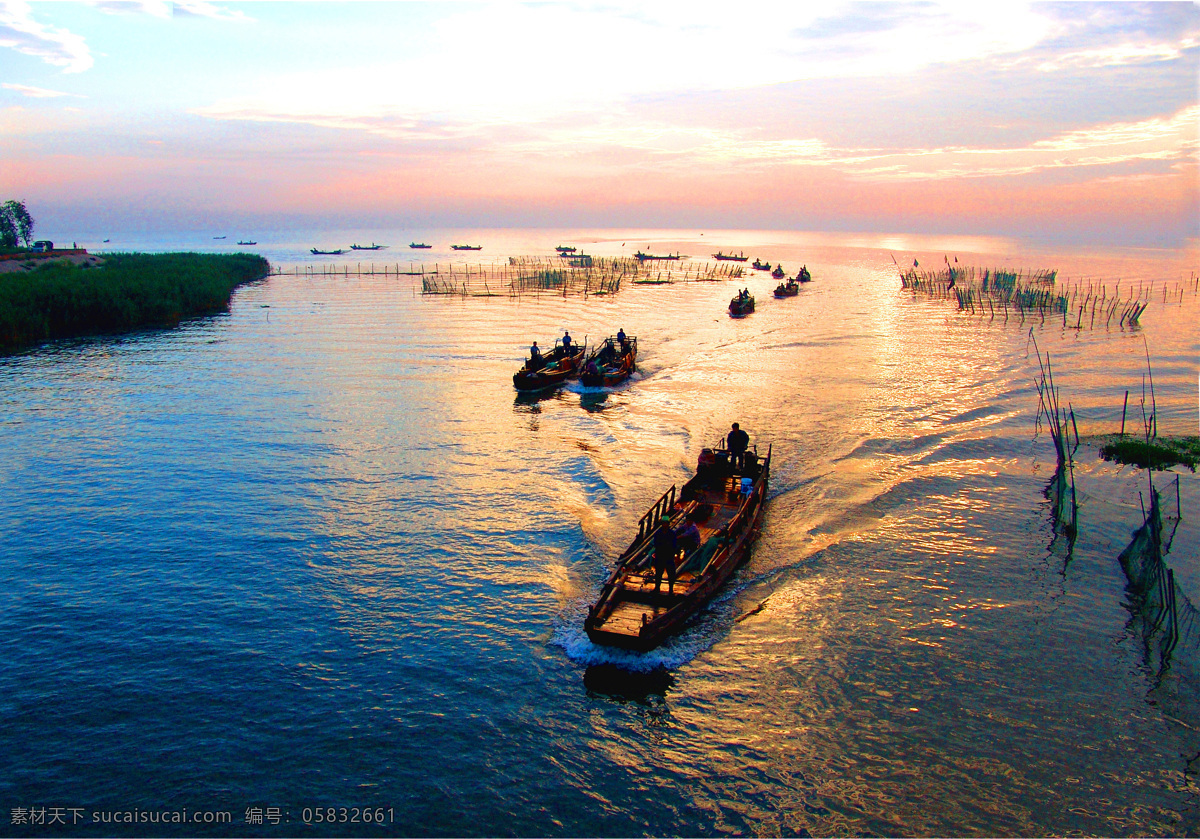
(316, 552)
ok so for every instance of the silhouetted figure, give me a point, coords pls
(736, 442)
(665, 548)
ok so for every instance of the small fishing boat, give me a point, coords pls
(760, 266)
(419, 245)
(789, 289)
(643, 257)
(240, 242)
(725, 501)
(565, 248)
(327, 253)
(466, 247)
(370, 247)
(741, 305)
(778, 273)
(728, 257)
(610, 364)
(551, 369)
(804, 276)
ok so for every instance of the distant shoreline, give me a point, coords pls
(81, 294)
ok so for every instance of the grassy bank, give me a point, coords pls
(127, 292)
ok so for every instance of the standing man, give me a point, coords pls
(665, 548)
(736, 442)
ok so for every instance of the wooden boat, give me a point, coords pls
(760, 266)
(466, 247)
(804, 276)
(246, 243)
(643, 257)
(778, 272)
(725, 502)
(611, 363)
(551, 369)
(419, 245)
(370, 247)
(565, 248)
(218, 237)
(327, 253)
(790, 289)
(728, 257)
(741, 306)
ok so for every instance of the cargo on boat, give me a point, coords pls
(724, 502)
(552, 368)
(611, 363)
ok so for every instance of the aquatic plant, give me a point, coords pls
(1061, 490)
(1160, 453)
(127, 291)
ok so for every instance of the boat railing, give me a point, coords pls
(662, 507)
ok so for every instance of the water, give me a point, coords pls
(318, 553)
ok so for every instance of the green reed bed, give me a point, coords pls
(1038, 294)
(126, 292)
(586, 275)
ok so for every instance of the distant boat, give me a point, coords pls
(741, 306)
(565, 248)
(327, 253)
(760, 266)
(728, 257)
(789, 289)
(246, 243)
(218, 237)
(466, 247)
(419, 245)
(778, 272)
(642, 257)
(804, 276)
(108, 240)
(370, 247)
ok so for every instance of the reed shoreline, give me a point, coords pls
(124, 292)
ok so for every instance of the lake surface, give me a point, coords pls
(317, 553)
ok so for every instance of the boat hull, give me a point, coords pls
(741, 308)
(611, 371)
(629, 614)
(558, 369)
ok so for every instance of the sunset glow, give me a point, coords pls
(1070, 122)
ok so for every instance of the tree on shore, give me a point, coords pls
(16, 225)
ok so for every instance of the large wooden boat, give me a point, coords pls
(728, 257)
(611, 363)
(725, 501)
(466, 247)
(419, 245)
(741, 306)
(551, 369)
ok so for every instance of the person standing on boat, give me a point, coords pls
(622, 339)
(535, 357)
(566, 342)
(665, 548)
(737, 442)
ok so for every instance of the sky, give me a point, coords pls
(1071, 123)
